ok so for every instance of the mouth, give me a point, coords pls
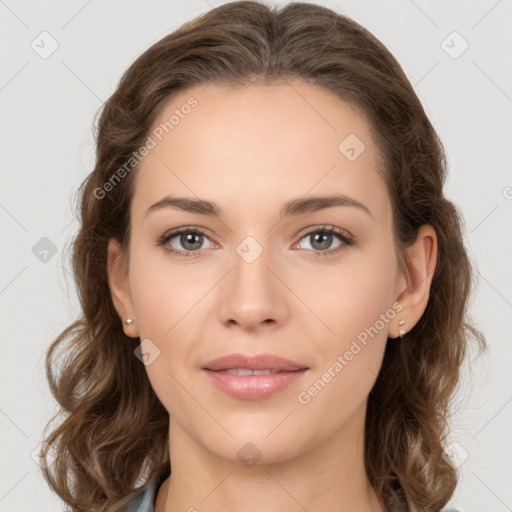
(255, 377)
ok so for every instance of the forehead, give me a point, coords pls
(257, 145)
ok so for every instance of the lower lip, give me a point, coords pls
(253, 387)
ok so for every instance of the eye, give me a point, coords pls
(189, 238)
(321, 238)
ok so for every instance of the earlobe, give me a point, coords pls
(119, 288)
(421, 265)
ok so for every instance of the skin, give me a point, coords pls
(250, 150)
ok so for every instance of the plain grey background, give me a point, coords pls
(456, 54)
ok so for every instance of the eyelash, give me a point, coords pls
(342, 236)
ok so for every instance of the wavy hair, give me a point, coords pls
(113, 435)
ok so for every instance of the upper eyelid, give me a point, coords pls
(326, 227)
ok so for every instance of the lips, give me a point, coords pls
(257, 362)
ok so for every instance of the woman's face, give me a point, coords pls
(254, 281)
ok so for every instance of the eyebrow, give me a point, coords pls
(295, 207)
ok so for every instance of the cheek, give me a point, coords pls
(161, 292)
(350, 361)
(167, 303)
(353, 296)
(358, 311)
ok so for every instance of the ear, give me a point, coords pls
(415, 284)
(120, 288)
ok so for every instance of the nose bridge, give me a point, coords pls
(251, 275)
(254, 294)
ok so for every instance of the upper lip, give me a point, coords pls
(257, 362)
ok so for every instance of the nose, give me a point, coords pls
(253, 293)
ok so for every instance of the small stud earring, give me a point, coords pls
(128, 321)
(402, 322)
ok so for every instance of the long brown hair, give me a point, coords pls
(114, 433)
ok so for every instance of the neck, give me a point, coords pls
(329, 476)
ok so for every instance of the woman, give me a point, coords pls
(274, 287)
